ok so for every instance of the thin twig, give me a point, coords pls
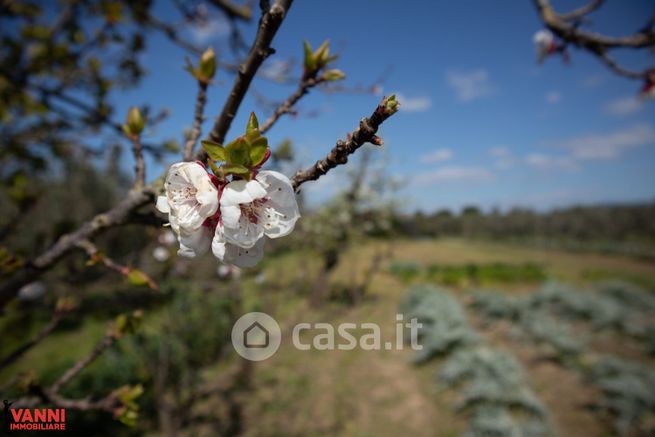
(139, 163)
(339, 154)
(260, 50)
(566, 27)
(47, 330)
(201, 100)
(233, 10)
(83, 363)
(287, 106)
(116, 216)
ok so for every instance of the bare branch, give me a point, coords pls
(40, 395)
(71, 373)
(582, 11)
(269, 24)
(47, 330)
(201, 100)
(339, 154)
(173, 35)
(287, 106)
(139, 163)
(233, 10)
(118, 215)
(565, 26)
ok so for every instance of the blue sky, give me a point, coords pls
(481, 123)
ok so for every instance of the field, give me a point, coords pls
(386, 392)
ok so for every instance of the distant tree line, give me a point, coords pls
(620, 223)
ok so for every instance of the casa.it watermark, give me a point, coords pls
(257, 336)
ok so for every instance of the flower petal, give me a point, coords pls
(194, 244)
(278, 187)
(245, 234)
(218, 243)
(242, 257)
(230, 215)
(162, 205)
(238, 192)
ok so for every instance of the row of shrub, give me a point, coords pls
(495, 393)
(468, 274)
(628, 387)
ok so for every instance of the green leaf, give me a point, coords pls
(258, 151)
(309, 58)
(253, 124)
(236, 169)
(137, 277)
(322, 53)
(239, 152)
(214, 150)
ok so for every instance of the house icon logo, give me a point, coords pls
(256, 336)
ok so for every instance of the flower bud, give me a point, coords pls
(334, 75)
(391, 105)
(207, 66)
(135, 122)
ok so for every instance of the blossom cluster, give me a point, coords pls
(230, 211)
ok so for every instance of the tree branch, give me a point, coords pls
(118, 215)
(84, 362)
(581, 11)
(339, 154)
(47, 330)
(139, 163)
(201, 100)
(287, 106)
(269, 24)
(233, 10)
(565, 26)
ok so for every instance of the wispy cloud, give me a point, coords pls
(624, 106)
(438, 155)
(593, 81)
(214, 27)
(547, 162)
(609, 145)
(470, 85)
(503, 158)
(454, 174)
(553, 97)
(414, 104)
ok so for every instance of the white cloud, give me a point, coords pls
(414, 104)
(438, 155)
(503, 158)
(624, 106)
(593, 81)
(499, 151)
(609, 145)
(546, 162)
(454, 174)
(553, 97)
(470, 85)
(214, 27)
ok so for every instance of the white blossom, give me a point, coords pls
(265, 205)
(229, 253)
(544, 42)
(190, 198)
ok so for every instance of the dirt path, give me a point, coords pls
(358, 393)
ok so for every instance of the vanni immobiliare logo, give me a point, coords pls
(33, 419)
